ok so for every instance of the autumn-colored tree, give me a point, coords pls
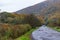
(54, 20)
(33, 20)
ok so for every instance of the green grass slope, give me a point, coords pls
(26, 36)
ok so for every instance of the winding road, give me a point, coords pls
(45, 33)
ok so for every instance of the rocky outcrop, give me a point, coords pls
(45, 33)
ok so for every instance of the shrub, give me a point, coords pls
(54, 20)
(33, 20)
(14, 31)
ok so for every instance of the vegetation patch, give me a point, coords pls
(26, 36)
(56, 28)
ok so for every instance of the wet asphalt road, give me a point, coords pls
(45, 33)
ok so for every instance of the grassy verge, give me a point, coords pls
(26, 36)
(56, 28)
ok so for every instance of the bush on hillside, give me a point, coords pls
(14, 31)
(33, 20)
(54, 20)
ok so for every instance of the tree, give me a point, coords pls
(33, 20)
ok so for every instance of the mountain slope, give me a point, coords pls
(43, 8)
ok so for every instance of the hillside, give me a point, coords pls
(20, 24)
(43, 8)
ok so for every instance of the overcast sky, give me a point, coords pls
(14, 5)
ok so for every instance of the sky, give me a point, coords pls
(14, 5)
